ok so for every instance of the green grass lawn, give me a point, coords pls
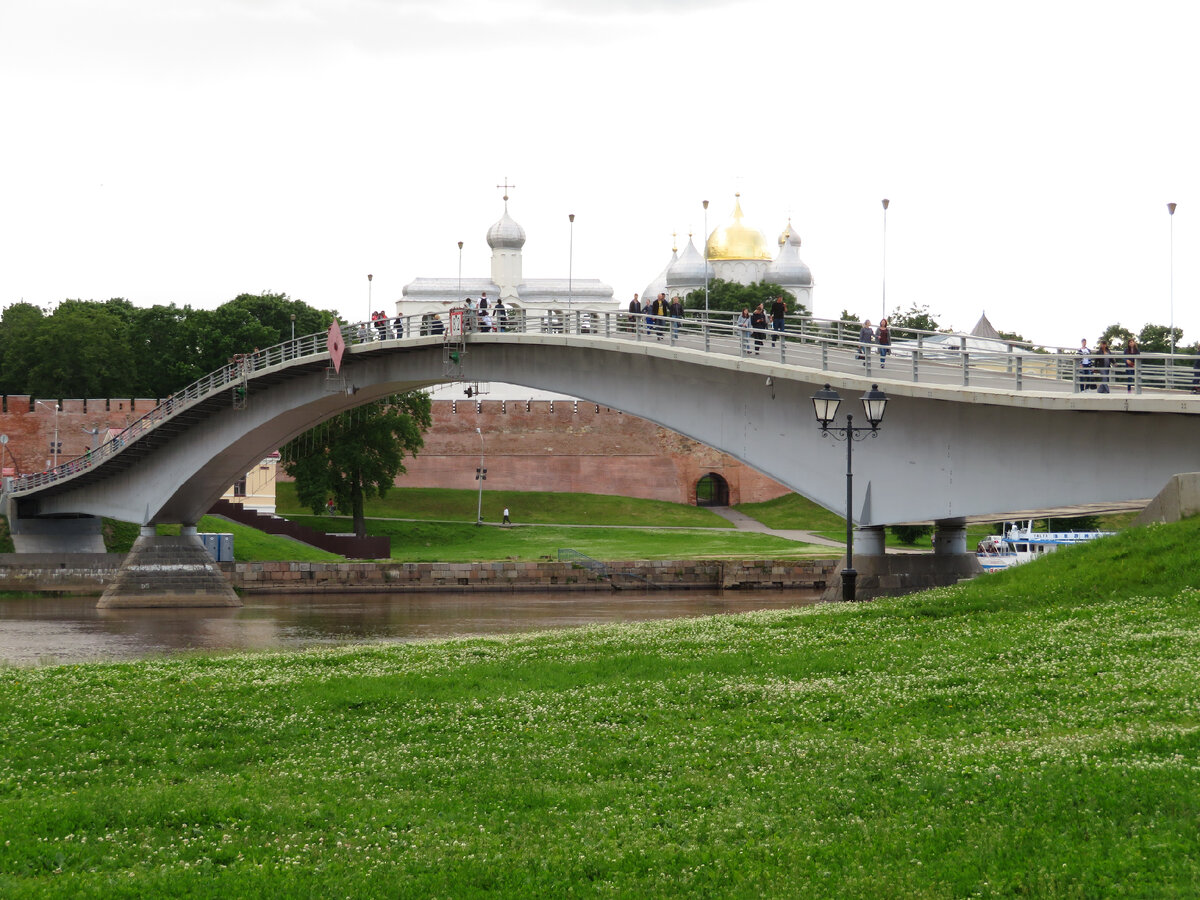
(252, 545)
(456, 542)
(1034, 733)
(528, 508)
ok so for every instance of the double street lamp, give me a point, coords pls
(825, 405)
(54, 448)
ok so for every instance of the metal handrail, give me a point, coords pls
(828, 345)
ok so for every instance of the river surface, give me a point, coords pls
(57, 630)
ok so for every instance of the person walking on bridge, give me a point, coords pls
(1085, 366)
(883, 337)
(778, 312)
(1103, 365)
(866, 337)
(676, 309)
(743, 326)
(758, 323)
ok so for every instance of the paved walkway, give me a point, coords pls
(743, 522)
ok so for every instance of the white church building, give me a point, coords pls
(429, 296)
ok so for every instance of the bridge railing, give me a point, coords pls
(829, 345)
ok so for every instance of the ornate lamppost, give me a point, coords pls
(825, 405)
(885, 206)
(571, 265)
(705, 203)
(1171, 213)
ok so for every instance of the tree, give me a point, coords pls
(1157, 338)
(357, 454)
(100, 361)
(1117, 336)
(19, 327)
(734, 297)
(918, 318)
(910, 534)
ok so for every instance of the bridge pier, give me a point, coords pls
(949, 537)
(168, 571)
(892, 575)
(869, 540)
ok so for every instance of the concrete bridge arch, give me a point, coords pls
(945, 453)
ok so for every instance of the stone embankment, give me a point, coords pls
(92, 573)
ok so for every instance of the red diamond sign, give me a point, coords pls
(336, 346)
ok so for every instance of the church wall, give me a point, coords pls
(743, 271)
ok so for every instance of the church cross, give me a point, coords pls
(506, 187)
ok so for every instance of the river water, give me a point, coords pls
(57, 630)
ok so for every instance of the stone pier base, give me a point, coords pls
(168, 571)
(903, 573)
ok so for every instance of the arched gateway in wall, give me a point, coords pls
(712, 490)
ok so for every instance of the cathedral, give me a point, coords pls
(736, 252)
(429, 296)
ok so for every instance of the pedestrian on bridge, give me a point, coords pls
(866, 337)
(778, 311)
(883, 337)
(743, 326)
(676, 309)
(1085, 366)
(758, 322)
(1103, 364)
(1131, 354)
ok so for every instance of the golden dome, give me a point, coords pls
(736, 240)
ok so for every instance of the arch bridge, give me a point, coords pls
(970, 434)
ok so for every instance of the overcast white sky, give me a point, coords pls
(192, 150)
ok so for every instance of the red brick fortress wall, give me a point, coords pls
(539, 445)
(30, 427)
(570, 446)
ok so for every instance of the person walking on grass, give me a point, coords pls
(506, 521)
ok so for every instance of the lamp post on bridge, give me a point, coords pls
(886, 202)
(571, 265)
(825, 405)
(458, 299)
(1171, 213)
(370, 305)
(705, 205)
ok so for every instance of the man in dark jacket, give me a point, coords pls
(778, 311)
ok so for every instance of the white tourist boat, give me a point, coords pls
(1020, 544)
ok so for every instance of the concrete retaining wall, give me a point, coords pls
(70, 573)
(298, 577)
(92, 573)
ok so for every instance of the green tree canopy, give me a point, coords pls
(918, 318)
(357, 454)
(1117, 336)
(120, 350)
(1157, 338)
(19, 327)
(100, 359)
(731, 296)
